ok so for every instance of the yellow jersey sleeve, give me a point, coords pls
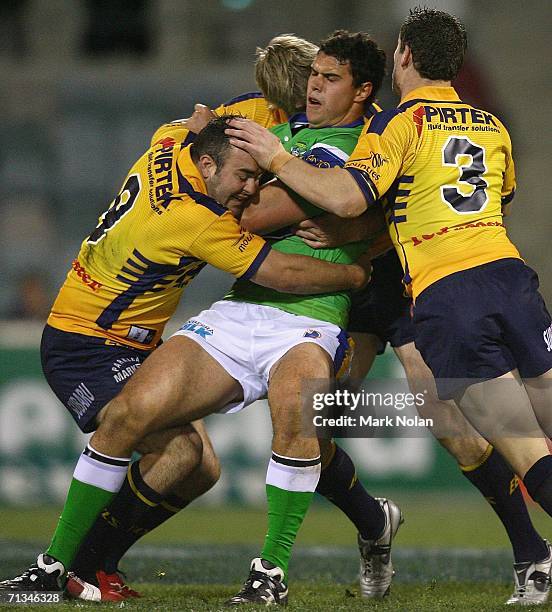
(229, 247)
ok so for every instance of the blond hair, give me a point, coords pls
(282, 69)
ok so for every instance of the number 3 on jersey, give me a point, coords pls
(120, 206)
(471, 175)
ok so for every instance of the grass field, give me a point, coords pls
(451, 554)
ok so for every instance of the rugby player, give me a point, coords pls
(170, 219)
(282, 69)
(470, 285)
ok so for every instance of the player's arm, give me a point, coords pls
(227, 246)
(327, 231)
(275, 209)
(344, 192)
(330, 189)
(279, 206)
(305, 275)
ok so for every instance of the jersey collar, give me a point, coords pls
(432, 93)
(299, 120)
(190, 172)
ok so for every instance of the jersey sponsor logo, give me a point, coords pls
(243, 241)
(197, 327)
(418, 118)
(84, 276)
(124, 368)
(417, 240)
(299, 149)
(140, 334)
(547, 335)
(312, 333)
(364, 164)
(458, 115)
(80, 400)
(160, 175)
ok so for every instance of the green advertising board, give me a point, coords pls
(39, 444)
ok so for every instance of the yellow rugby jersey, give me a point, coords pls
(443, 169)
(250, 105)
(156, 236)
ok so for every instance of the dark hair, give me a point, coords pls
(367, 60)
(438, 42)
(213, 141)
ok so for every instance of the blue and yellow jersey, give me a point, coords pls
(156, 236)
(250, 105)
(443, 169)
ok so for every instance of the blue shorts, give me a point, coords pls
(481, 323)
(85, 373)
(382, 308)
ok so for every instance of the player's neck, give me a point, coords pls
(415, 81)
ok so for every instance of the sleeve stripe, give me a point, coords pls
(381, 120)
(365, 183)
(256, 264)
(508, 198)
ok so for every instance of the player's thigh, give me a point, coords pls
(85, 373)
(501, 411)
(450, 427)
(179, 383)
(539, 389)
(305, 369)
(366, 349)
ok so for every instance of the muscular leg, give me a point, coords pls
(539, 390)
(338, 480)
(503, 408)
(294, 468)
(176, 385)
(451, 428)
(480, 464)
(137, 509)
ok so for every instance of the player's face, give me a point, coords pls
(236, 182)
(331, 93)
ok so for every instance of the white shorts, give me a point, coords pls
(248, 339)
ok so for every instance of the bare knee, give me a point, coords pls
(208, 472)
(122, 419)
(467, 451)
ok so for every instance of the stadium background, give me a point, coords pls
(84, 85)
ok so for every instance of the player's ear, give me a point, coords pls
(207, 166)
(406, 57)
(364, 91)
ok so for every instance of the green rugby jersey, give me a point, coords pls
(322, 147)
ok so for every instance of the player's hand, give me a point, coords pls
(262, 145)
(380, 245)
(200, 118)
(365, 263)
(323, 232)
